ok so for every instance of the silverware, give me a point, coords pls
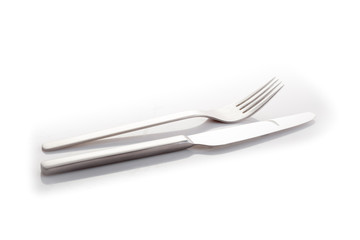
(227, 114)
(211, 139)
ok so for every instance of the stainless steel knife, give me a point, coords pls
(211, 139)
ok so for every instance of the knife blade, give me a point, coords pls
(248, 131)
(212, 138)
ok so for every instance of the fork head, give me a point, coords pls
(249, 105)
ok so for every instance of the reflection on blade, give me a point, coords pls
(247, 131)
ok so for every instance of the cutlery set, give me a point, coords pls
(228, 114)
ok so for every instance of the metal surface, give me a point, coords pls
(115, 154)
(211, 138)
(227, 114)
(248, 131)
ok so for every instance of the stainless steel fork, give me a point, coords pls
(227, 114)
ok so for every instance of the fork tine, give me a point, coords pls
(261, 102)
(260, 95)
(269, 83)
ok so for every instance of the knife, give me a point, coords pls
(171, 144)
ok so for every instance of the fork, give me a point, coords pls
(227, 114)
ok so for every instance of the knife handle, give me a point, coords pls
(115, 154)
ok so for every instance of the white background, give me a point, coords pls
(71, 67)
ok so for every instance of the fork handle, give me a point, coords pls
(64, 143)
(115, 154)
